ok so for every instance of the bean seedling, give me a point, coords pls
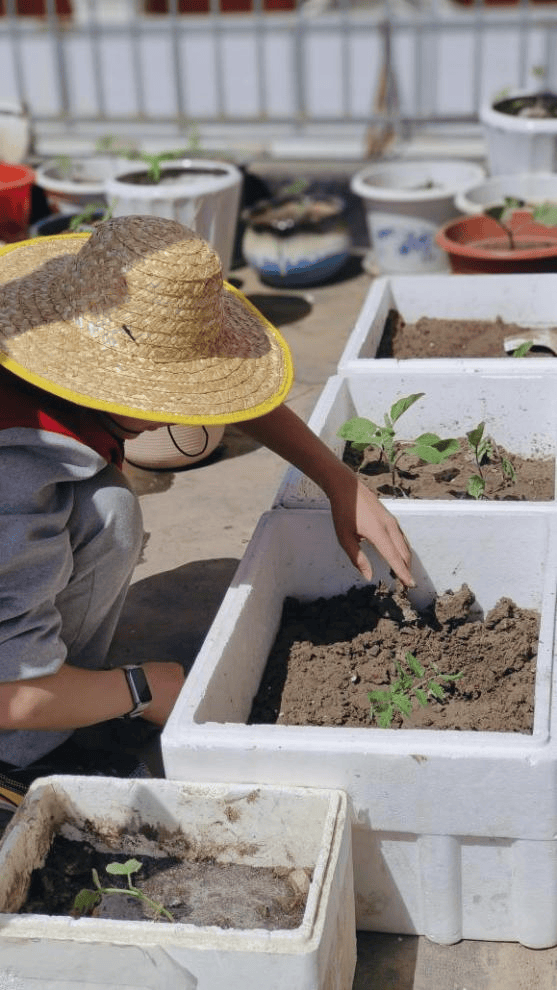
(543, 213)
(428, 447)
(484, 449)
(412, 682)
(88, 899)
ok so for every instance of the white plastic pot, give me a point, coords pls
(527, 300)
(532, 187)
(15, 133)
(71, 184)
(454, 832)
(206, 198)
(518, 144)
(173, 446)
(455, 401)
(405, 204)
(255, 826)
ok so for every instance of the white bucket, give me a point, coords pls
(532, 187)
(406, 202)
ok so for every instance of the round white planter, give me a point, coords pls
(206, 198)
(15, 133)
(519, 144)
(70, 185)
(532, 187)
(405, 203)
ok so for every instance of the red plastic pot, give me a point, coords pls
(16, 182)
(477, 244)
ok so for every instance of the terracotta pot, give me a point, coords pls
(15, 201)
(477, 244)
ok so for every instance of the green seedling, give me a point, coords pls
(543, 213)
(428, 447)
(88, 899)
(483, 450)
(522, 349)
(413, 682)
(154, 162)
(84, 221)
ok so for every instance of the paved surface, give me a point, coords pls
(199, 522)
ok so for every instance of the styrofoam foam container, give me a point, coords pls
(455, 832)
(517, 404)
(527, 300)
(263, 826)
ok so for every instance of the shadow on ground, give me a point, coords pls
(167, 616)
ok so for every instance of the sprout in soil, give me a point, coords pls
(86, 900)
(484, 450)
(543, 213)
(428, 447)
(412, 682)
(87, 219)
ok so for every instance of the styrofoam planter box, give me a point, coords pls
(454, 832)
(527, 300)
(518, 405)
(263, 826)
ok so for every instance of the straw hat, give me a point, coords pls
(135, 319)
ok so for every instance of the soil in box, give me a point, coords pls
(533, 479)
(193, 891)
(434, 337)
(478, 671)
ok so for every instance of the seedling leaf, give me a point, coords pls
(474, 436)
(421, 695)
(400, 407)
(522, 349)
(124, 869)
(359, 430)
(507, 468)
(85, 901)
(414, 664)
(476, 486)
(545, 213)
(435, 689)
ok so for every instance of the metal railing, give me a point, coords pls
(398, 64)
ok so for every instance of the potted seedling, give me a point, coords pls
(521, 132)
(202, 194)
(507, 237)
(100, 878)
(297, 237)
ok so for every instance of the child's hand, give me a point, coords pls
(364, 517)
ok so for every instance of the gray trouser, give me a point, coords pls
(106, 533)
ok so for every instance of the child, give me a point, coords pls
(103, 337)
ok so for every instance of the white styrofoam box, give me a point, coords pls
(517, 401)
(263, 826)
(527, 300)
(455, 832)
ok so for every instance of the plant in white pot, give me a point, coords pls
(521, 132)
(201, 194)
(405, 203)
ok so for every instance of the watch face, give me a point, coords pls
(140, 686)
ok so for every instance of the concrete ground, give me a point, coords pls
(198, 523)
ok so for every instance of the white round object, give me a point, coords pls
(519, 144)
(173, 446)
(205, 197)
(532, 187)
(406, 202)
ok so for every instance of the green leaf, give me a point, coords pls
(436, 690)
(400, 407)
(358, 430)
(508, 469)
(474, 436)
(403, 703)
(522, 349)
(451, 677)
(435, 453)
(545, 213)
(85, 901)
(381, 699)
(386, 717)
(414, 664)
(475, 486)
(421, 696)
(123, 869)
(485, 450)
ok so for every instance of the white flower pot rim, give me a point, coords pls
(518, 125)
(451, 176)
(201, 175)
(525, 185)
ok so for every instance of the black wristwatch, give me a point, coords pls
(139, 689)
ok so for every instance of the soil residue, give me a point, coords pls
(434, 337)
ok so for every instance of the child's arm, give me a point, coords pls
(357, 513)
